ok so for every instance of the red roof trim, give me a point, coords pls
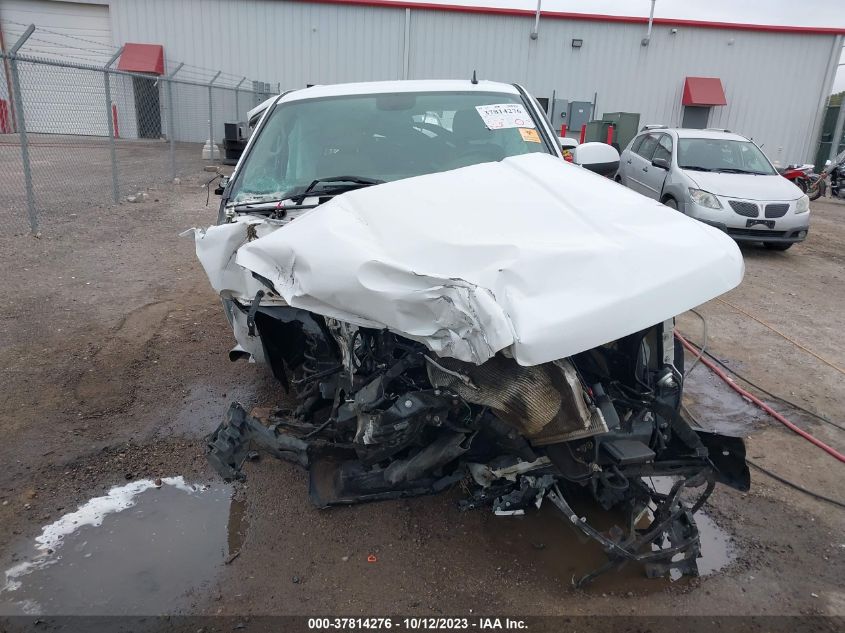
(142, 58)
(596, 17)
(703, 91)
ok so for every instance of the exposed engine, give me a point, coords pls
(376, 416)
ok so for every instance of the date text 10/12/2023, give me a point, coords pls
(416, 624)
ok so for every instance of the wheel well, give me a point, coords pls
(668, 196)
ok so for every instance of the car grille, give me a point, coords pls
(776, 210)
(756, 233)
(747, 209)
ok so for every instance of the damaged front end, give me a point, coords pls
(506, 326)
(377, 416)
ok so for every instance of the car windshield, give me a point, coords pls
(722, 155)
(382, 137)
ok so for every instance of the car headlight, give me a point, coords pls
(704, 199)
(803, 205)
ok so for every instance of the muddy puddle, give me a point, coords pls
(719, 408)
(141, 549)
(551, 548)
(203, 406)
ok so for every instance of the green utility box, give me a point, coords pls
(627, 126)
(597, 131)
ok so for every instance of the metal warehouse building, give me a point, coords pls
(765, 78)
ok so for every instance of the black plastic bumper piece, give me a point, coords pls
(792, 236)
(334, 478)
(229, 445)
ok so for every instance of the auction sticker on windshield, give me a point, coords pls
(529, 135)
(504, 115)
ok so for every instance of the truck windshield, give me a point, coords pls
(384, 137)
(722, 155)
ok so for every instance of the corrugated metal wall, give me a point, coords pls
(773, 81)
(295, 43)
(59, 101)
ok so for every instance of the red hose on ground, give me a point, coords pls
(745, 394)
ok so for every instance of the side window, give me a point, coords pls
(647, 147)
(637, 142)
(664, 148)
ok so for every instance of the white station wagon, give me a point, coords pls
(720, 178)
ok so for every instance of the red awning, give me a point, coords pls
(703, 91)
(142, 58)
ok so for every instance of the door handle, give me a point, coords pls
(645, 168)
(628, 161)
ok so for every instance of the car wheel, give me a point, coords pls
(777, 246)
(671, 203)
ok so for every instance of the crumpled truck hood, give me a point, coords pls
(529, 254)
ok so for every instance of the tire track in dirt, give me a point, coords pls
(109, 384)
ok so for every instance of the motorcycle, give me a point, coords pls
(803, 177)
(834, 171)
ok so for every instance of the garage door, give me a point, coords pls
(60, 101)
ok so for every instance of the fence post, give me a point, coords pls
(109, 117)
(211, 116)
(237, 99)
(21, 124)
(171, 121)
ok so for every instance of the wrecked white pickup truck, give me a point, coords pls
(450, 301)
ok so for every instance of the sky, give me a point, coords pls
(806, 13)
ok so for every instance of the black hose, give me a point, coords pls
(791, 484)
(768, 393)
(777, 477)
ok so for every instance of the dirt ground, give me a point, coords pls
(114, 366)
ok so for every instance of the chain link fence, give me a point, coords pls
(74, 135)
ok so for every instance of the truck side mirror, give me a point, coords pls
(600, 158)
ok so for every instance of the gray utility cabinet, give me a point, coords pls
(580, 113)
